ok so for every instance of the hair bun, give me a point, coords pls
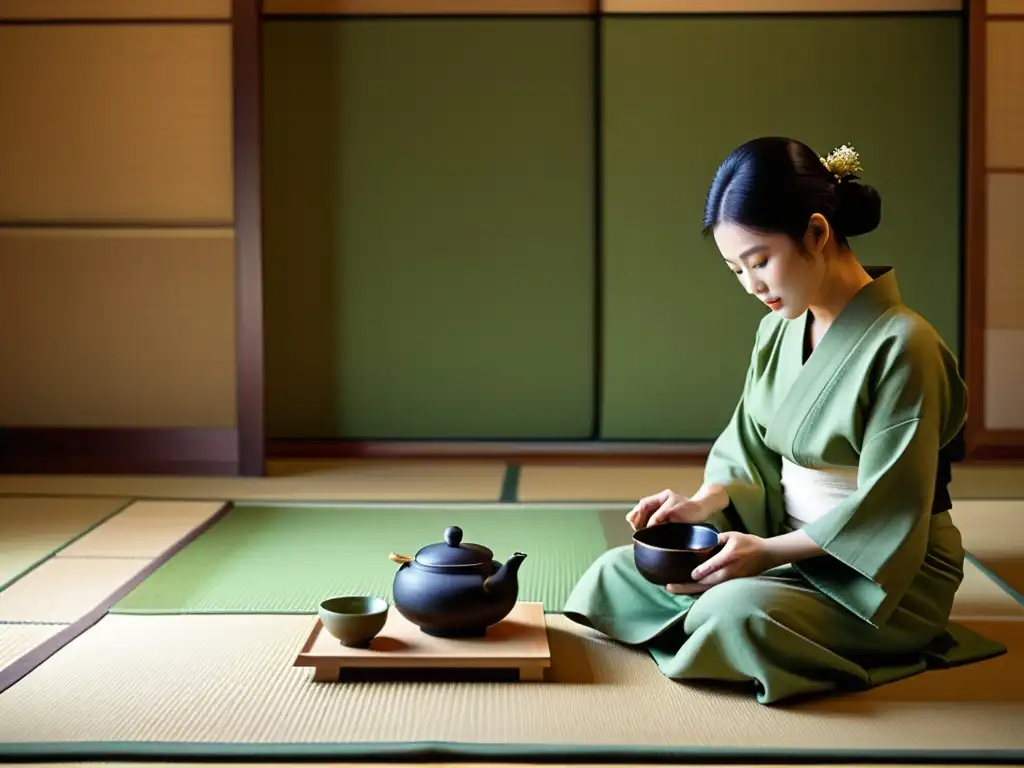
(775, 184)
(859, 208)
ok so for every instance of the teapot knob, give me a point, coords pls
(453, 536)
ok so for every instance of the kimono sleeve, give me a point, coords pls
(878, 536)
(740, 462)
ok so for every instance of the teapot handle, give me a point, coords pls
(403, 559)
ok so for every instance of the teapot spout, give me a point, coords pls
(507, 575)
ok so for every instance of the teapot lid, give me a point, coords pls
(453, 552)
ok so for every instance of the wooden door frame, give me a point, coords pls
(983, 444)
(247, 61)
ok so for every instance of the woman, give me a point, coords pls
(840, 560)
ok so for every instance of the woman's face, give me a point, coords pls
(773, 267)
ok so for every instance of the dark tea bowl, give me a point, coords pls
(668, 553)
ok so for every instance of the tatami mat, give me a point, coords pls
(31, 529)
(988, 481)
(64, 589)
(596, 482)
(981, 598)
(18, 639)
(230, 680)
(991, 527)
(286, 558)
(993, 532)
(144, 529)
(630, 482)
(342, 480)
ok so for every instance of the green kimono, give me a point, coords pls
(881, 393)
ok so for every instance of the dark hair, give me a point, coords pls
(774, 184)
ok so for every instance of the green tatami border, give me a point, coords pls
(467, 751)
(510, 483)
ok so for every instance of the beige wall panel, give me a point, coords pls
(1004, 379)
(1004, 270)
(1005, 97)
(777, 6)
(439, 7)
(117, 328)
(1006, 6)
(115, 9)
(128, 123)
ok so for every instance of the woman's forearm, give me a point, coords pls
(791, 548)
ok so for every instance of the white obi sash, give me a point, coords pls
(811, 493)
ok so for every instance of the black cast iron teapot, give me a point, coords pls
(452, 589)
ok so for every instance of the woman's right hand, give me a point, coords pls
(665, 507)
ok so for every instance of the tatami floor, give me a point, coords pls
(71, 545)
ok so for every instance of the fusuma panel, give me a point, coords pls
(429, 228)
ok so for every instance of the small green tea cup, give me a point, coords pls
(354, 620)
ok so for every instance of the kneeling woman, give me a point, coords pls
(840, 559)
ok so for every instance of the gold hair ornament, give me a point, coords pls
(843, 163)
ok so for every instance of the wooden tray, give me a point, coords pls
(519, 641)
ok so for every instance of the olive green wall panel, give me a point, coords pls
(679, 94)
(430, 227)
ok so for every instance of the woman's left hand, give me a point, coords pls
(742, 555)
